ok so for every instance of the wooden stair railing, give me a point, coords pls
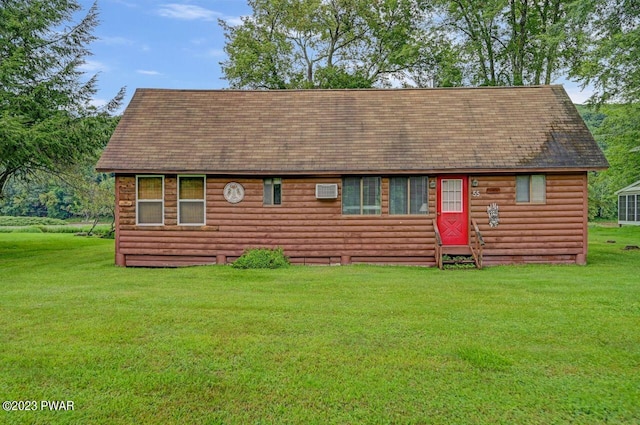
(477, 245)
(438, 245)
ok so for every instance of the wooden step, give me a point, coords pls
(458, 255)
(469, 261)
(453, 250)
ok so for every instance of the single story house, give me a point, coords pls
(629, 204)
(402, 176)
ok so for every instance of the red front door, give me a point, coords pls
(453, 219)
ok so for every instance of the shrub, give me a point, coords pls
(29, 221)
(262, 258)
(30, 229)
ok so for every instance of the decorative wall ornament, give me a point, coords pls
(493, 211)
(233, 192)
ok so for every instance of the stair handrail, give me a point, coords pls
(438, 244)
(437, 230)
(478, 242)
(476, 229)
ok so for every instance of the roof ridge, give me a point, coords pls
(372, 89)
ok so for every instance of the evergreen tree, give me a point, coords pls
(47, 121)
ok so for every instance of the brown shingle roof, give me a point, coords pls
(351, 131)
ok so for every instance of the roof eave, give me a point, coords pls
(431, 171)
(635, 185)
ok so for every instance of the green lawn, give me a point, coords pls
(318, 345)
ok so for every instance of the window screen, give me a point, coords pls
(150, 204)
(531, 188)
(408, 195)
(632, 208)
(272, 191)
(361, 196)
(191, 200)
(371, 195)
(622, 208)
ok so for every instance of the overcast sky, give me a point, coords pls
(163, 44)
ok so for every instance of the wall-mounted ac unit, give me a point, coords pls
(326, 191)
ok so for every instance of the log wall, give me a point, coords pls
(310, 231)
(553, 232)
(314, 231)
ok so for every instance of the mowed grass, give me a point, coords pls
(318, 345)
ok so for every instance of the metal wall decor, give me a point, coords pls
(233, 192)
(493, 211)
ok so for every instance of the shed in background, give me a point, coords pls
(629, 204)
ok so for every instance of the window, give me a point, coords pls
(361, 196)
(622, 208)
(629, 208)
(408, 195)
(272, 191)
(191, 200)
(531, 189)
(149, 200)
(451, 192)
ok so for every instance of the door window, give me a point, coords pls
(451, 195)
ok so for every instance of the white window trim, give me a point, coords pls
(149, 200)
(203, 200)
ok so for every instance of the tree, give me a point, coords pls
(94, 197)
(326, 44)
(620, 131)
(46, 118)
(510, 42)
(76, 191)
(616, 128)
(611, 64)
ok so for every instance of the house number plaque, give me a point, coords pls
(233, 192)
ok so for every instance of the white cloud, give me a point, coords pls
(148, 72)
(125, 3)
(93, 66)
(123, 41)
(188, 12)
(115, 41)
(233, 21)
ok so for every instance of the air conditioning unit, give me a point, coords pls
(326, 191)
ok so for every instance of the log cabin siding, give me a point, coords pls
(551, 232)
(310, 231)
(313, 231)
